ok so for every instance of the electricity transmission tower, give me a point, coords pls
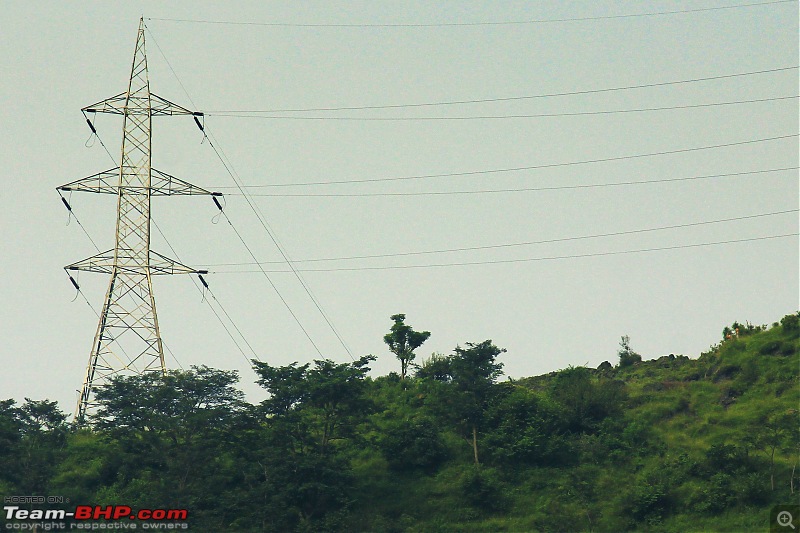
(128, 340)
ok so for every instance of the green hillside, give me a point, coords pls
(670, 444)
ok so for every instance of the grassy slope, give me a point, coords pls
(681, 408)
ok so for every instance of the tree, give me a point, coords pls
(627, 357)
(44, 431)
(436, 368)
(776, 432)
(403, 340)
(473, 371)
(42, 415)
(10, 436)
(173, 434)
(791, 324)
(177, 405)
(311, 414)
(331, 395)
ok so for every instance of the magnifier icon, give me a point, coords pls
(784, 519)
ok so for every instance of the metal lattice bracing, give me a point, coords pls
(128, 340)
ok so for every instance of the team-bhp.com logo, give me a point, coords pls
(151, 517)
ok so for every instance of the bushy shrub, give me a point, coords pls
(586, 400)
(650, 502)
(791, 324)
(753, 489)
(718, 494)
(627, 357)
(414, 444)
(770, 348)
(726, 458)
(523, 427)
(481, 489)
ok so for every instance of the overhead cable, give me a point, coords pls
(534, 167)
(243, 114)
(525, 243)
(222, 308)
(73, 215)
(522, 260)
(283, 253)
(510, 190)
(510, 98)
(231, 172)
(272, 284)
(468, 24)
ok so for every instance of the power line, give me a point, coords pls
(509, 190)
(97, 136)
(523, 260)
(504, 117)
(283, 253)
(510, 98)
(289, 261)
(175, 74)
(272, 284)
(233, 323)
(526, 243)
(469, 24)
(259, 216)
(534, 167)
(222, 308)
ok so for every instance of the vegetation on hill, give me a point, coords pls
(670, 444)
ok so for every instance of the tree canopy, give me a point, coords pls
(403, 340)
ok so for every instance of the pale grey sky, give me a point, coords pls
(58, 57)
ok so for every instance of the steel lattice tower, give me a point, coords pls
(128, 340)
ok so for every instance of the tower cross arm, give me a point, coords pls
(161, 184)
(161, 264)
(107, 263)
(103, 182)
(122, 104)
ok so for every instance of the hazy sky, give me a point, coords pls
(58, 57)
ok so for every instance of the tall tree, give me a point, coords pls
(403, 340)
(473, 371)
(331, 396)
(174, 433)
(311, 415)
(44, 432)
